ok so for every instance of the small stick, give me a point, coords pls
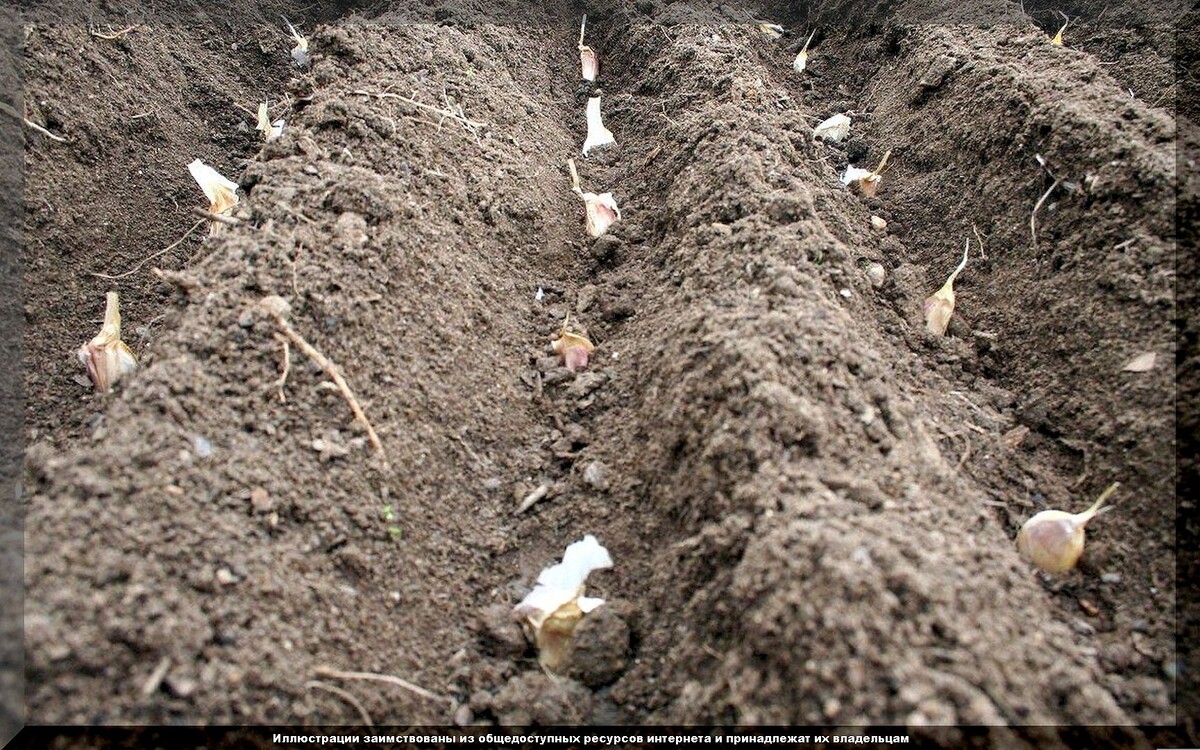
(966, 452)
(533, 498)
(8, 110)
(144, 261)
(338, 674)
(344, 695)
(1033, 216)
(287, 367)
(116, 34)
(979, 239)
(276, 307)
(156, 677)
(444, 112)
(219, 218)
(574, 177)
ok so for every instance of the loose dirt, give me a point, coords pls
(810, 501)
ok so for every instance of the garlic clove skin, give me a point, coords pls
(589, 63)
(574, 349)
(106, 357)
(602, 212)
(221, 192)
(801, 62)
(597, 134)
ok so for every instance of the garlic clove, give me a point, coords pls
(221, 193)
(1054, 539)
(834, 129)
(772, 30)
(801, 61)
(939, 306)
(574, 349)
(589, 63)
(597, 134)
(602, 212)
(854, 174)
(300, 51)
(556, 604)
(264, 120)
(106, 357)
(276, 129)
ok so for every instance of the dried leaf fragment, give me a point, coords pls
(1143, 362)
(588, 62)
(556, 604)
(106, 356)
(597, 134)
(834, 129)
(801, 61)
(221, 193)
(939, 306)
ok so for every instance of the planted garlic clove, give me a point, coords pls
(834, 129)
(597, 134)
(300, 51)
(1054, 539)
(801, 61)
(575, 349)
(588, 62)
(276, 129)
(1058, 38)
(270, 130)
(602, 212)
(106, 356)
(772, 30)
(221, 193)
(939, 306)
(556, 604)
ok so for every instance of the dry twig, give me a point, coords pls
(219, 218)
(278, 308)
(287, 367)
(458, 116)
(344, 695)
(112, 35)
(338, 674)
(533, 498)
(144, 261)
(1038, 205)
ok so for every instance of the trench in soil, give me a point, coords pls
(808, 500)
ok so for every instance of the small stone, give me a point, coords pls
(246, 319)
(1083, 628)
(879, 222)
(463, 716)
(260, 500)
(845, 293)
(202, 447)
(1110, 577)
(180, 687)
(876, 274)
(225, 577)
(596, 476)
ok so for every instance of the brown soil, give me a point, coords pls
(809, 500)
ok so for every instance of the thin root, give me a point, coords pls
(1038, 205)
(219, 218)
(112, 35)
(469, 124)
(160, 253)
(966, 456)
(8, 110)
(338, 674)
(287, 367)
(344, 695)
(332, 371)
(979, 239)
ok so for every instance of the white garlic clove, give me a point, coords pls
(106, 357)
(221, 193)
(1054, 539)
(597, 134)
(834, 129)
(589, 63)
(801, 61)
(602, 212)
(575, 350)
(939, 306)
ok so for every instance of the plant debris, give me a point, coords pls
(221, 192)
(106, 356)
(556, 604)
(597, 134)
(939, 306)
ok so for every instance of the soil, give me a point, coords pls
(810, 501)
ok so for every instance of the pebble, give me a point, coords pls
(596, 476)
(878, 222)
(1110, 577)
(845, 293)
(876, 274)
(202, 447)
